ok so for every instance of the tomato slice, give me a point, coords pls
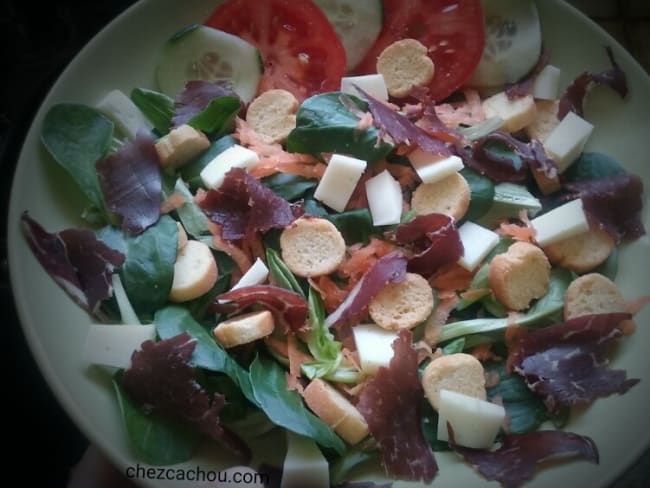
(452, 30)
(300, 49)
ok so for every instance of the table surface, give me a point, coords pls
(45, 37)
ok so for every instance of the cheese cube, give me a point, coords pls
(477, 243)
(235, 156)
(339, 180)
(374, 85)
(516, 114)
(180, 146)
(256, 275)
(304, 464)
(565, 143)
(562, 222)
(113, 344)
(124, 113)
(374, 345)
(475, 422)
(547, 83)
(384, 199)
(431, 167)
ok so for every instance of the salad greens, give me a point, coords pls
(241, 389)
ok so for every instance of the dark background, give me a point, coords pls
(37, 40)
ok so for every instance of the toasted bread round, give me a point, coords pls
(459, 372)
(449, 196)
(519, 275)
(581, 253)
(244, 328)
(590, 294)
(335, 410)
(405, 64)
(272, 115)
(195, 272)
(312, 246)
(402, 305)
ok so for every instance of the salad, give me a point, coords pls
(288, 241)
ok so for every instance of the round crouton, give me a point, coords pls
(195, 272)
(519, 275)
(581, 253)
(335, 410)
(405, 64)
(244, 329)
(592, 293)
(312, 246)
(272, 115)
(402, 305)
(449, 196)
(458, 372)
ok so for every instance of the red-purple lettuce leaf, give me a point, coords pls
(519, 456)
(573, 98)
(566, 363)
(131, 183)
(242, 205)
(390, 268)
(613, 203)
(390, 404)
(196, 96)
(437, 240)
(76, 260)
(497, 156)
(401, 129)
(289, 308)
(162, 379)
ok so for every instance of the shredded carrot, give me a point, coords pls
(361, 258)
(364, 122)
(635, 306)
(525, 232)
(451, 277)
(627, 327)
(404, 174)
(447, 300)
(254, 247)
(172, 202)
(469, 112)
(483, 352)
(331, 293)
(243, 260)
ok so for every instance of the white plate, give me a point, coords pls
(123, 56)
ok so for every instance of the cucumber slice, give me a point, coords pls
(199, 52)
(513, 42)
(357, 23)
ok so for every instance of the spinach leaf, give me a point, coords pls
(526, 410)
(194, 221)
(286, 408)
(208, 354)
(340, 469)
(354, 225)
(592, 166)
(157, 107)
(157, 440)
(218, 117)
(482, 194)
(191, 173)
(148, 271)
(288, 186)
(77, 136)
(324, 124)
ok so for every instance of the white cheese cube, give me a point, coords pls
(516, 114)
(384, 199)
(235, 156)
(547, 83)
(304, 464)
(562, 222)
(339, 180)
(475, 422)
(477, 243)
(124, 113)
(565, 143)
(256, 275)
(112, 345)
(431, 168)
(374, 85)
(374, 345)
